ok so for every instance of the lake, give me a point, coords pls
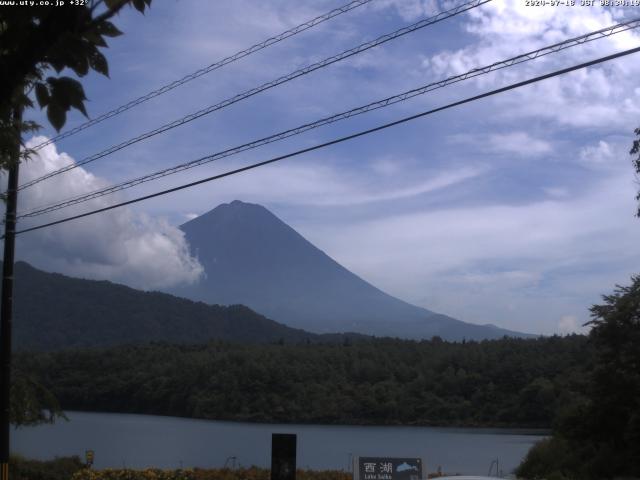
(138, 441)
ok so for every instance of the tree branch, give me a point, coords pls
(109, 13)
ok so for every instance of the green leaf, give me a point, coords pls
(71, 51)
(80, 64)
(57, 64)
(138, 5)
(108, 29)
(98, 62)
(29, 126)
(66, 93)
(26, 101)
(66, 86)
(42, 94)
(57, 115)
(95, 38)
(112, 3)
(79, 105)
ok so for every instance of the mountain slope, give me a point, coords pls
(252, 257)
(52, 311)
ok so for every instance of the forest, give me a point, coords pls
(507, 382)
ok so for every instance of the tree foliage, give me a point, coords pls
(635, 150)
(615, 383)
(600, 436)
(60, 468)
(31, 402)
(251, 473)
(37, 43)
(508, 382)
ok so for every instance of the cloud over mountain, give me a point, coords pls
(120, 245)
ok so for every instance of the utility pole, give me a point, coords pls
(6, 310)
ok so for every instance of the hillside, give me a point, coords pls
(53, 311)
(251, 257)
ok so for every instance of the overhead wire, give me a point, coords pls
(265, 86)
(339, 140)
(210, 68)
(569, 43)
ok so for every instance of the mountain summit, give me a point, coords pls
(251, 257)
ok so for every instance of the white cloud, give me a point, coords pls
(386, 166)
(570, 324)
(596, 155)
(513, 277)
(557, 192)
(326, 184)
(410, 9)
(516, 143)
(119, 245)
(600, 96)
(357, 195)
(520, 143)
(607, 156)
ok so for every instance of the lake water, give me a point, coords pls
(138, 441)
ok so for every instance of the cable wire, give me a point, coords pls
(580, 40)
(266, 86)
(338, 140)
(203, 71)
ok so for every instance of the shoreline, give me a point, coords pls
(520, 430)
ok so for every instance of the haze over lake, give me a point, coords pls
(139, 441)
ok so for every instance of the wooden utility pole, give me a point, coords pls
(6, 310)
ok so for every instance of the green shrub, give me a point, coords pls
(62, 468)
(552, 459)
(252, 473)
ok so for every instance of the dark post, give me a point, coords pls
(283, 456)
(7, 304)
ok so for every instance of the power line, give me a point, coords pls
(214, 66)
(339, 140)
(266, 86)
(580, 40)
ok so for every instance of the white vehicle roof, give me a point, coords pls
(466, 477)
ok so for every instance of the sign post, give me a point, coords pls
(88, 457)
(283, 456)
(387, 468)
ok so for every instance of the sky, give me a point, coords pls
(516, 210)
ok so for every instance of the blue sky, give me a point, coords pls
(515, 210)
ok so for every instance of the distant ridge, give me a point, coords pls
(253, 258)
(53, 312)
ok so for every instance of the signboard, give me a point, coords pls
(283, 456)
(88, 456)
(385, 468)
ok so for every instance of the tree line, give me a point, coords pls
(507, 382)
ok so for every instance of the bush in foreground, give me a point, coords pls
(599, 437)
(252, 473)
(72, 468)
(549, 459)
(58, 469)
